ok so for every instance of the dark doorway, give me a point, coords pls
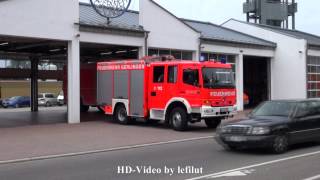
(256, 80)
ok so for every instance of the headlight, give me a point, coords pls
(260, 130)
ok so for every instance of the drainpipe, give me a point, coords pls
(146, 36)
(293, 16)
(199, 50)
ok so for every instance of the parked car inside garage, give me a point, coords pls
(60, 98)
(47, 99)
(275, 125)
(16, 102)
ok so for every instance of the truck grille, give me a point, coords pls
(236, 129)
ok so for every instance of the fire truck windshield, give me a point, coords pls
(217, 78)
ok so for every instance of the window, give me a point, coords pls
(153, 52)
(158, 74)
(185, 55)
(172, 74)
(308, 109)
(176, 54)
(217, 78)
(313, 74)
(40, 95)
(49, 96)
(164, 52)
(191, 77)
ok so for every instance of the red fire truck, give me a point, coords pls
(174, 91)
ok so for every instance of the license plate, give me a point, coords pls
(224, 110)
(236, 138)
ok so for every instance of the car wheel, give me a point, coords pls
(48, 104)
(280, 144)
(179, 119)
(213, 122)
(17, 106)
(121, 115)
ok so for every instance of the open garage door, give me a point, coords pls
(90, 54)
(256, 80)
(31, 73)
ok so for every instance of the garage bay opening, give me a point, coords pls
(256, 80)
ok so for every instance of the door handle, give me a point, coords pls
(153, 93)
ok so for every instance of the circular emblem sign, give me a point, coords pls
(110, 8)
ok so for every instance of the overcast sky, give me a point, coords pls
(219, 11)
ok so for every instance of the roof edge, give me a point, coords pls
(167, 11)
(212, 24)
(261, 26)
(236, 42)
(112, 28)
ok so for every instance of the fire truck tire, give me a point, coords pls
(179, 119)
(213, 122)
(121, 116)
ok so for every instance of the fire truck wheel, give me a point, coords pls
(121, 115)
(213, 122)
(179, 119)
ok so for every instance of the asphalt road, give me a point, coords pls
(204, 157)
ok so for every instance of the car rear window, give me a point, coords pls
(49, 96)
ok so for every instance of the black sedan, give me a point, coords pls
(274, 125)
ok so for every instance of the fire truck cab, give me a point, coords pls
(174, 91)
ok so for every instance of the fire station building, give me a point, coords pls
(269, 63)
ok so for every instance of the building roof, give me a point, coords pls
(215, 32)
(311, 39)
(128, 21)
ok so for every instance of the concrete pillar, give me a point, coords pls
(239, 81)
(74, 81)
(34, 84)
(142, 52)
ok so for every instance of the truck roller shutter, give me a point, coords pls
(121, 84)
(104, 88)
(137, 93)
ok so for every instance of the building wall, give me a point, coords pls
(166, 31)
(22, 88)
(39, 18)
(288, 67)
(237, 50)
(112, 39)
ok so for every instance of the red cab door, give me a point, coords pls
(157, 82)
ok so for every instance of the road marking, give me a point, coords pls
(256, 165)
(102, 150)
(234, 174)
(313, 178)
